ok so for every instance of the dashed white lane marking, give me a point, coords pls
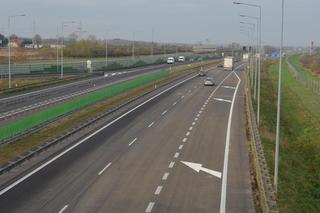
(182, 97)
(150, 125)
(158, 190)
(200, 111)
(104, 169)
(180, 147)
(188, 133)
(174, 103)
(149, 207)
(165, 176)
(228, 87)
(134, 140)
(198, 115)
(222, 100)
(193, 123)
(171, 165)
(202, 108)
(164, 112)
(196, 119)
(64, 208)
(184, 140)
(190, 128)
(176, 155)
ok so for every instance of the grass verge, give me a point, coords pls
(299, 169)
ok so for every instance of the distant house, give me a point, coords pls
(57, 45)
(16, 42)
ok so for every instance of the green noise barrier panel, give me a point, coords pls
(39, 118)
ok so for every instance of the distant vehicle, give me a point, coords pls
(220, 65)
(181, 59)
(209, 82)
(245, 57)
(170, 60)
(228, 63)
(202, 73)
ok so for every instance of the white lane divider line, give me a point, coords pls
(174, 103)
(188, 133)
(64, 208)
(200, 111)
(149, 207)
(190, 128)
(165, 176)
(171, 164)
(182, 97)
(104, 169)
(228, 87)
(134, 140)
(151, 124)
(193, 123)
(196, 119)
(222, 100)
(198, 115)
(184, 140)
(176, 155)
(164, 112)
(180, 147)
(158, 190)
(226, 152)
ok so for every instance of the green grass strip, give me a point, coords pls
(59, 110)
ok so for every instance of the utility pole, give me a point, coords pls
(276, 159)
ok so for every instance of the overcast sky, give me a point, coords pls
(172, 20)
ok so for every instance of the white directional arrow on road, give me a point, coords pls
(198, 167)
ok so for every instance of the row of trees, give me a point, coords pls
(312, 62)
(93, 47)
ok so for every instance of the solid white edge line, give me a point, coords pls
(104, 169)
(134, 140)
(226, 153)
(90, 136)
(164, 112)
(63, 209)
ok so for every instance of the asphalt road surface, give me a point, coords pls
(13, 105)
(184, 151)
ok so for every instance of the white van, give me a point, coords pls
(170, 60)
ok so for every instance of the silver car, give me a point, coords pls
(209, 82)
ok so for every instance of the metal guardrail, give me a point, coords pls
(267, 195)
(40, 148)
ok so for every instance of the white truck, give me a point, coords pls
(245, 56)
(228, 63)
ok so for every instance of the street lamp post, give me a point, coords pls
(107, 49)
(62, 47)
(251, 27)
(276, 163)
(9, 46)
(260, 51)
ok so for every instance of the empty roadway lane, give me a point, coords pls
(184, 151)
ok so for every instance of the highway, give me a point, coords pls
(182, 151)
(17, 104)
